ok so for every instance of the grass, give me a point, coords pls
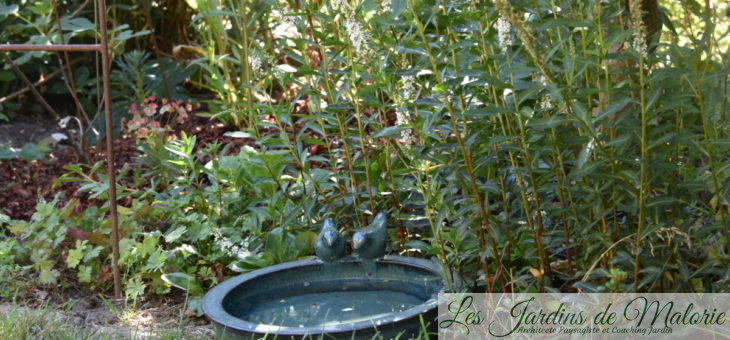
(18, 322)
(48, 323)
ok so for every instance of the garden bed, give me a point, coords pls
(23, 182)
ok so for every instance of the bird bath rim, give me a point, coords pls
(213, 301)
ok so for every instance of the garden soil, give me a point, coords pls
(23, 183)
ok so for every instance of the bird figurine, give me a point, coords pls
(370, 242)
(330, 245)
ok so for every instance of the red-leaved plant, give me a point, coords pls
(146, 116)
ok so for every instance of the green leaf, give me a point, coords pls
(614, 107)
(650, 275)
(585, 153)
(128, 34)
(7, 152)
(548, 122)
(390, 131)
(42, 8)
(581, 112)
(720, 142)
(156, 260)
(48, 276)
(305, 242)
(32, 152)
(195, 303)
(661, 201)
(419, 245)
(8, 9)
(397, 7)
(148, 245)
(253, 262)
(238, 134)
(135, 287)
(654, 95)
(192, 3)
(175, 234)
(77, 24)
(313, 141)
(84, 274)
(92, 253)
(585, 287)
(75, 255)
(184, 282)
(585, 170)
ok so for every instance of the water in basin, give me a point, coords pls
(306, 297)
(330, 308)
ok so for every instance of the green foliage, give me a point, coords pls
(137, 78)
(168, 236)
(232, 63)
(29, 152)
(532, 147)
(38, 240)
(11, 272)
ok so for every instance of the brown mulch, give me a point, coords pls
(23, 183)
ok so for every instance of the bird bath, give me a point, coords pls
(308, 298)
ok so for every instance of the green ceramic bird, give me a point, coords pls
(370, 242)
(330, 245)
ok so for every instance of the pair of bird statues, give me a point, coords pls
(369, 243)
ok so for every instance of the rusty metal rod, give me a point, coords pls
(33, 90)
(111, 169)
(51, 48)
(41, 81)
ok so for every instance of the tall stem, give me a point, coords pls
(245, 65)
(111, 169)
(643, 181)
(360, 128)
(483, 232)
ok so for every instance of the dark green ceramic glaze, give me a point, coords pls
(310, 299)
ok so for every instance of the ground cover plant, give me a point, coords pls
(528, 146)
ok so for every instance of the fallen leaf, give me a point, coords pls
(75, 234)
(218, 269)
(96, 238)
(104, 274)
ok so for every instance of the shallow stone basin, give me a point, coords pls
(307, 298)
